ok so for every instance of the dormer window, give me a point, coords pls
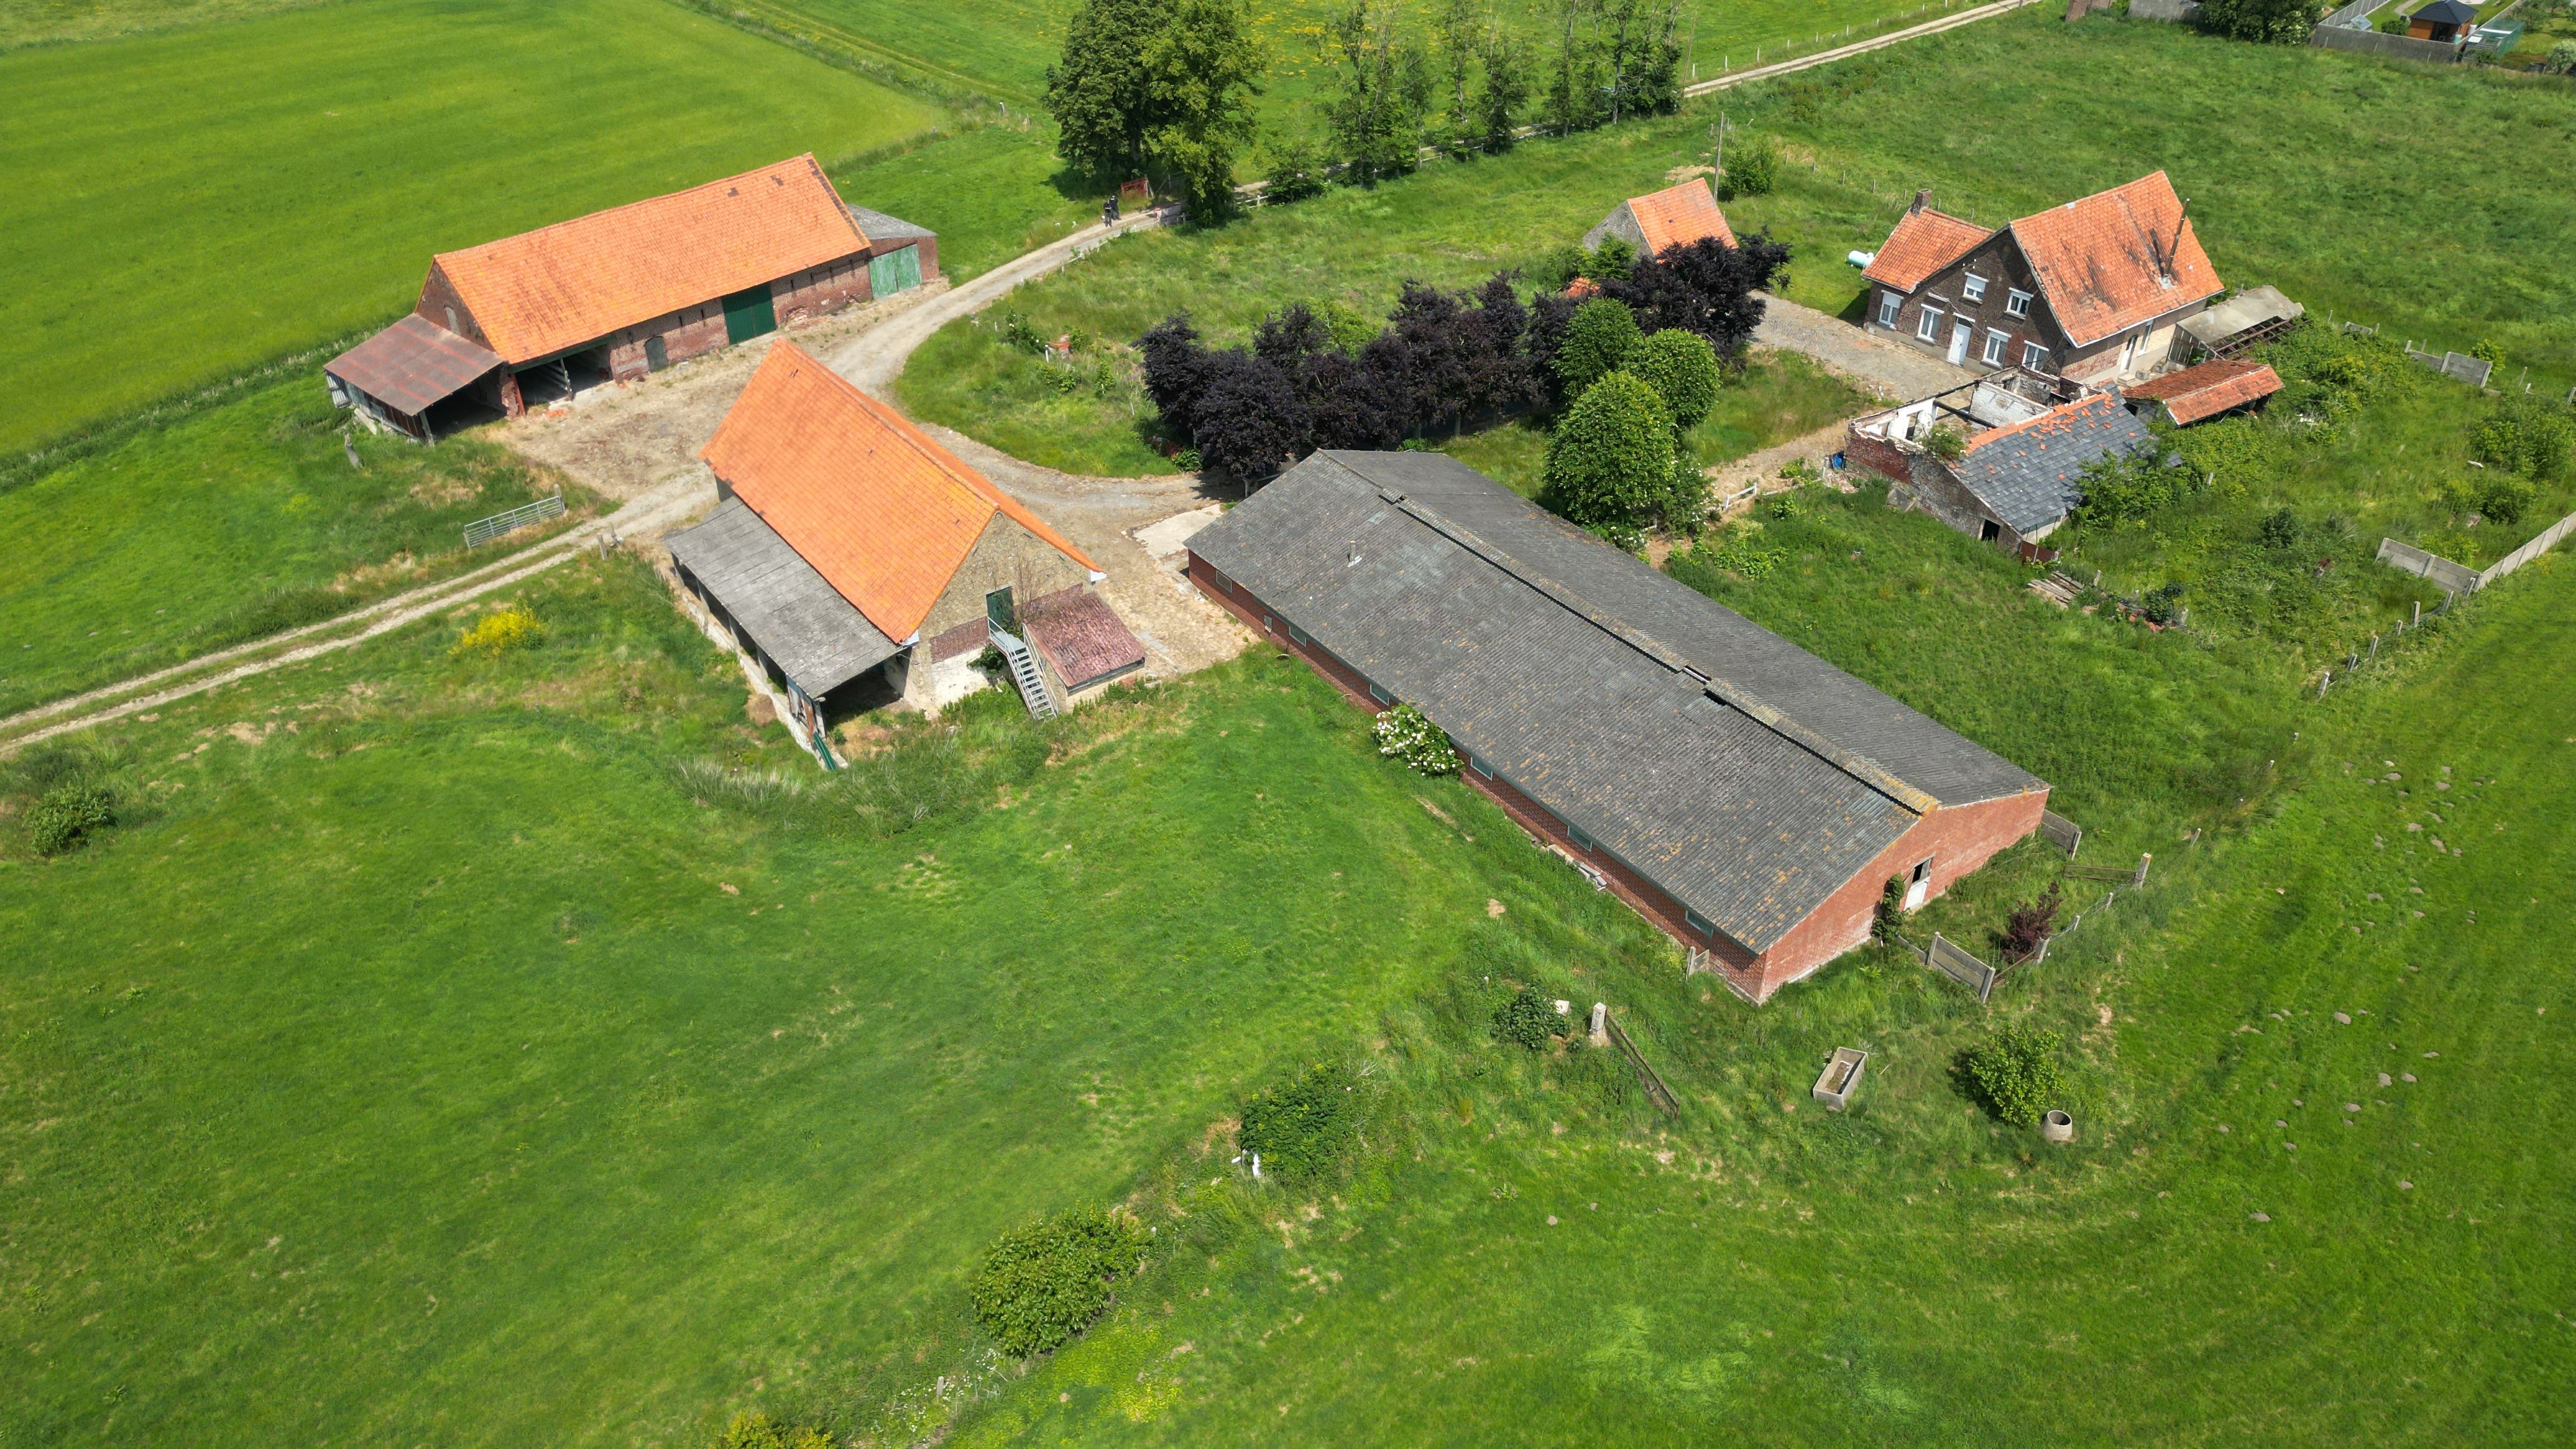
(1974, 287)
(2017, 303)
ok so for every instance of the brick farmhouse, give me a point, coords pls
(626, 292)
(2090, 292)
(845, 543)
(1748, 798)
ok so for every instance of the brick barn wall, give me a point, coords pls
(1879, 456)
(1641, 894)
(928, 246)
(1956, 839)
(687, 333)
(822, 291)
(439, 303)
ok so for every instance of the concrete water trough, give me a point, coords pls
(1840, 1078)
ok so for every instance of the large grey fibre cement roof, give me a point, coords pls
(792, 612)
(1739, 819)
(2032, 474)
(1749, 663)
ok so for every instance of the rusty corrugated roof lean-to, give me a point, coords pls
(413, 365)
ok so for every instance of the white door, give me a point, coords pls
(1918, 886)
(1959, 334)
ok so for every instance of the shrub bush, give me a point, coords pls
(759, 1431)
(1406, 733)
(1297, 171)
(1682, 369)
(1610, 465)
(496, 634)
(1527, 1019)
(2505, 499)
(1597, 343)
(1042, 1284)
(1945, 440)
(2028, 928)
(2533, 435)
(63, 819)
(1752, 168)
(2015, 1072)
(1300, 1126)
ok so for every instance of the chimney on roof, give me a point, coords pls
(1922, 200)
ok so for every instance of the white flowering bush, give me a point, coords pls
(1405, 733)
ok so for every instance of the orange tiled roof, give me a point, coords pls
(2209, 389)
(1582, 287)
(563, 285)
(2116, 258)
(881, 512)
(1679, 215)
(1923, 242)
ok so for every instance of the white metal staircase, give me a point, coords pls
(1024, 673)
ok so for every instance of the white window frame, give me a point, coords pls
(1379, 694)
(1298, 634)
(1480, 766)
(1889, 305)
(1575, 833)
(1972, 287)
(2017, 303)
(2034, 356)
(1995, 342)
(1929, 328)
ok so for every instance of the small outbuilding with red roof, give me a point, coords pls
(2092, 291)
(624, 292)
(847, 544)
(1673, 217)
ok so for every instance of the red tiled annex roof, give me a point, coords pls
(2116, 258)
(576, 281)
(1679, 215)
(883, 513)
(2209, 389)
(2056, 419)
(1081, 636)
(1923, 242)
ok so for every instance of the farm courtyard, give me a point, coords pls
(498, 1031)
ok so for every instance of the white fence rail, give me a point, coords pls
(484, 530)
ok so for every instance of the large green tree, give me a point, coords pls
(1610, 463)
(1158, 87)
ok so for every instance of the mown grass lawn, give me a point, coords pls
(2314, 1199)
(475, 1076)
(228, 523)
(192, 203)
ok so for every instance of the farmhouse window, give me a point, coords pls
(1697, 924)
(1973, 288)
(1889, 304)
(1994, 353)
(1930, 326)
(1575, 833)
(2034, 356)
(2017, 303)
(1298, 634)
(1480, 767)
(1380, 695)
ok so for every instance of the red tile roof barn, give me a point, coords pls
(2116, 258)
(560, 286)
(2209, 389)
(1923, 242)
(883, 513)
(1679, 215)
(412, 365)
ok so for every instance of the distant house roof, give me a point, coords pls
(2027, 473)
(560, 286)
(1746, 777)
(882, 512)
(2445, 12)
(412, 365)
(796, 617)
(1923, 242)
(2209, 389)
(2112, 260)
(1679, 215)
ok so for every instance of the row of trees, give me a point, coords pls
(1654, 338)
(1164, 88)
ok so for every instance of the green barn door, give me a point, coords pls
(896, 271)
(748, 314)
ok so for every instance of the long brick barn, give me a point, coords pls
(625, 292)
(1748, 798)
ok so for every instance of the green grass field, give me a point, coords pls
(229, 523)
(193, 203)
(43, 22)
(518, 1082)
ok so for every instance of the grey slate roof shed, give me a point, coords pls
(792, 612)
(2031, 474)
(1744, 776)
